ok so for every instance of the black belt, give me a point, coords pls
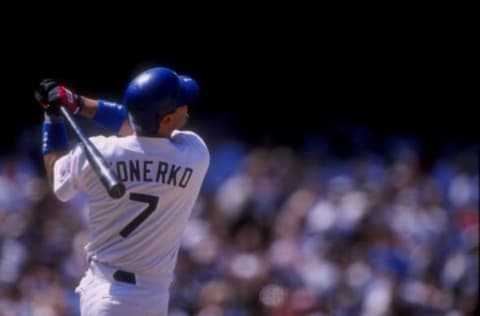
(124, 276)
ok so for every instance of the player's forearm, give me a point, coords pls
(54, 142)
(111, 115)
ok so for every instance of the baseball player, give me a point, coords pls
(133, 241)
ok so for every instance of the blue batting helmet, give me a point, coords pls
(154, 93)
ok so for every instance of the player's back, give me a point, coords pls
(141, 231)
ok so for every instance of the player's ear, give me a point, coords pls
(166, 119)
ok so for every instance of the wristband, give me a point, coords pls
(54, 136)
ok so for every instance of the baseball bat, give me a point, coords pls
(114, 187)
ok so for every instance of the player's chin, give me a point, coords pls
(181, 124)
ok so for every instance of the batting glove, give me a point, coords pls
(51, 96)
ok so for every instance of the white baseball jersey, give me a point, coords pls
(141, 231)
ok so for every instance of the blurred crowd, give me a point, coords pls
(275, 231)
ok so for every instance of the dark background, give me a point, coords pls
(266, 87)
(308, 81)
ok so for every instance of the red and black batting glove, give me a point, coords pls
(51, 96)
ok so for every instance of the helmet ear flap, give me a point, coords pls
(189, 90)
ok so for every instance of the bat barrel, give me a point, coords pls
(115, 188)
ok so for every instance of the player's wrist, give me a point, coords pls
(79, 104)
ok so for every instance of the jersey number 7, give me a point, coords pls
(152, 202)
